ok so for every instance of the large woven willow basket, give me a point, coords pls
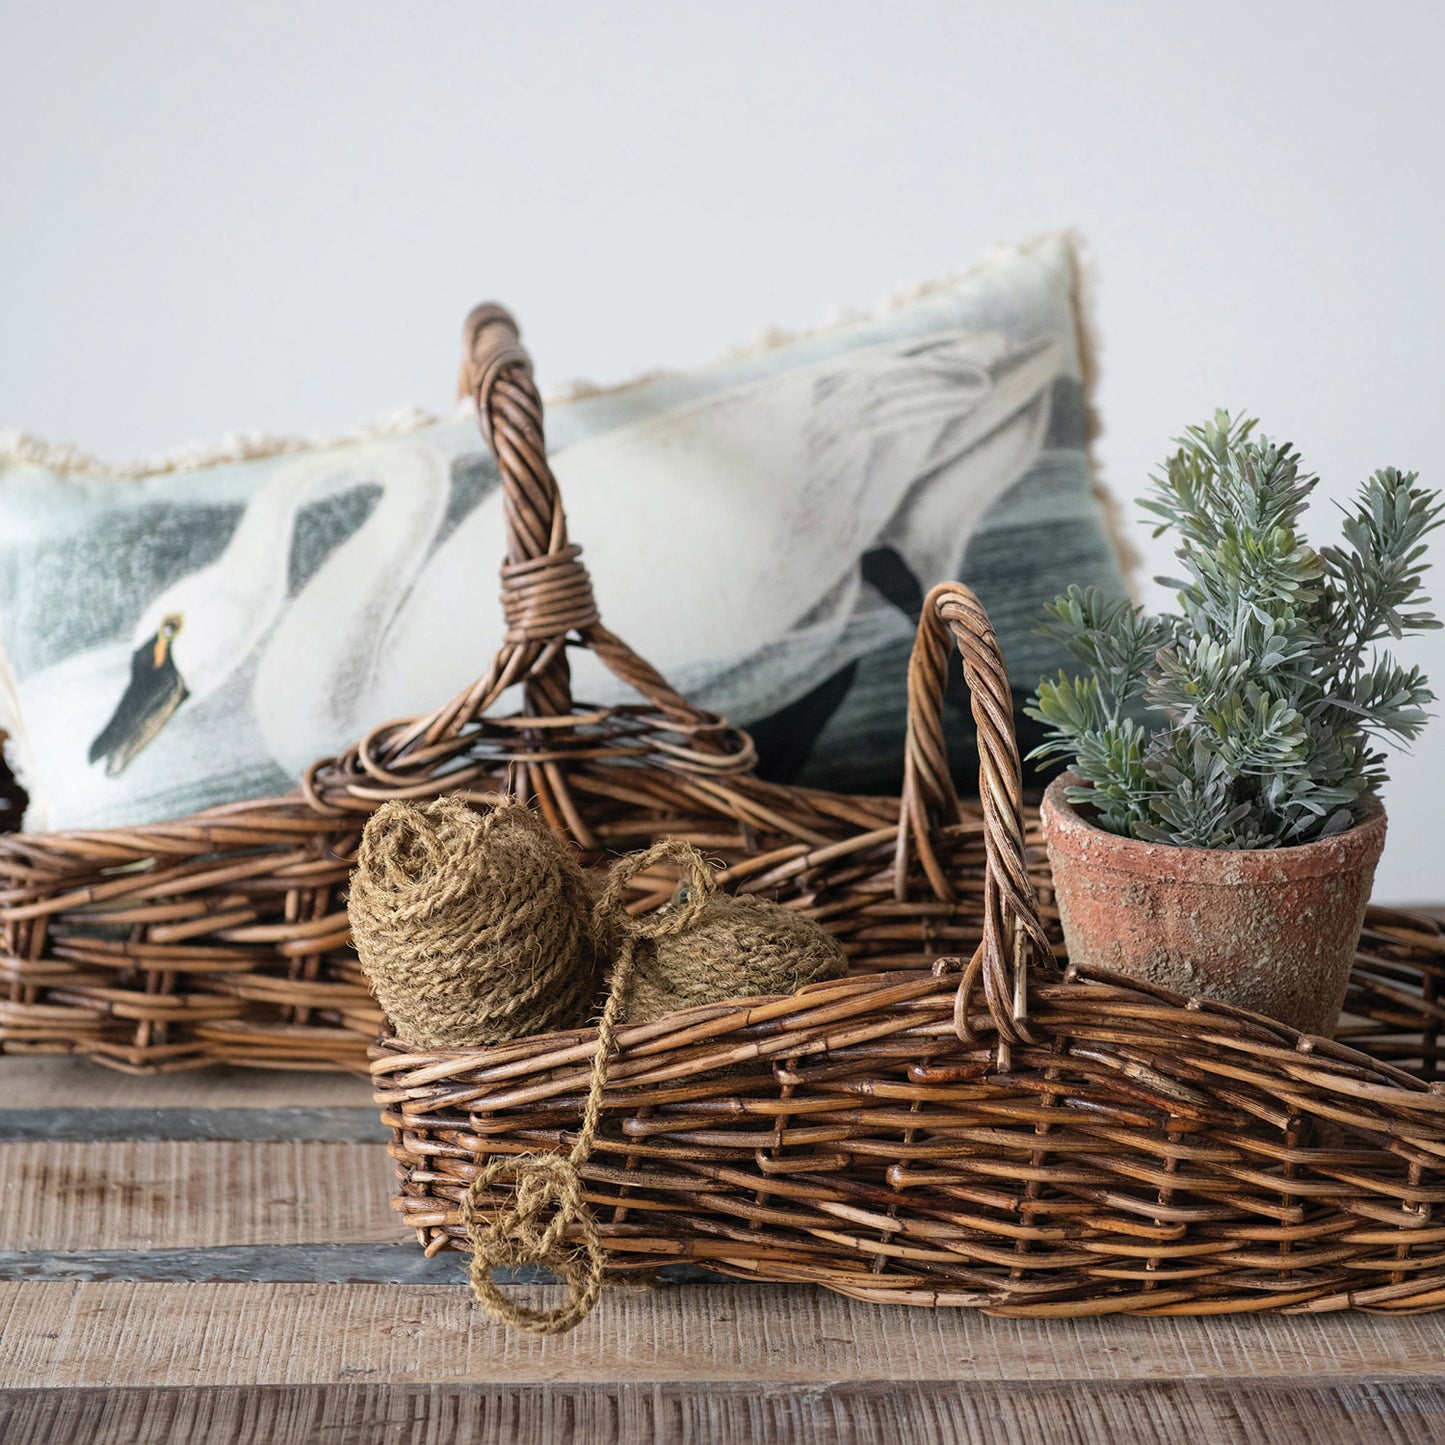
(967, 1126)
(223, 937)
(984, 1132)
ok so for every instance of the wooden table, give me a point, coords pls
(210, 1257)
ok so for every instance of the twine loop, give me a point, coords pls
(697, 889)
(547, 1200)
(546, 1203)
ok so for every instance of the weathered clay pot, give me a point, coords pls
(1273, 930)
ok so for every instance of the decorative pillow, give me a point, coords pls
(763, 530)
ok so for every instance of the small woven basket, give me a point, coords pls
(967, 1127)
(223, 937)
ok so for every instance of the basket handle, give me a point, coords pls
(497, 374)
(546, 590)
(1013, 937)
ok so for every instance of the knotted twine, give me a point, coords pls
(520, 1233)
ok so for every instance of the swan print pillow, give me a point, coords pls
(763, 530)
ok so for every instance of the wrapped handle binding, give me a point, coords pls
(1013, 937)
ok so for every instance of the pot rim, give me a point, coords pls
(1064, 826)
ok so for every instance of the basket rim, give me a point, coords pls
(390, 1055)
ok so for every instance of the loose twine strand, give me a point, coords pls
(547, 1201)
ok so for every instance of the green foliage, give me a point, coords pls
(1268, 686)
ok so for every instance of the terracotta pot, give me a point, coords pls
(1273, 929)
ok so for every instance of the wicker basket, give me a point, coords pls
(1013, 1140)
(223, 937)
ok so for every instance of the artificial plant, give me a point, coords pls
(1265, 694)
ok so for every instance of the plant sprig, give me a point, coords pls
(1269, 686)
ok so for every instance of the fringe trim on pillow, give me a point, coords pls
(19, 449)
(837, 318)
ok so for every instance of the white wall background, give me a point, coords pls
(275, 215)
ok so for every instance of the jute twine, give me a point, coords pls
(472, 928)
(547, 1199)
(737, 948)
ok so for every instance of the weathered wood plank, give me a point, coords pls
(338, 1125)
(39, 1081)
(70, 1196)
(399, 1263)
(113, 1335)
(1278, 1412)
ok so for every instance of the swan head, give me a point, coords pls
(188, 642)
(155, 691)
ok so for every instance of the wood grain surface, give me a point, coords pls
(41, 1082)
(211, 1257)
(112, 1334)
(1217, 1412)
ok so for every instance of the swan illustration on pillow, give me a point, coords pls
(200, 629)
(725, 537)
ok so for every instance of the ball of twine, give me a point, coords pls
(472, 928)
(734, 948)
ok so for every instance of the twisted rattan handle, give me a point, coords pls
(546, 591)
(497, 374)
(1013, 937)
